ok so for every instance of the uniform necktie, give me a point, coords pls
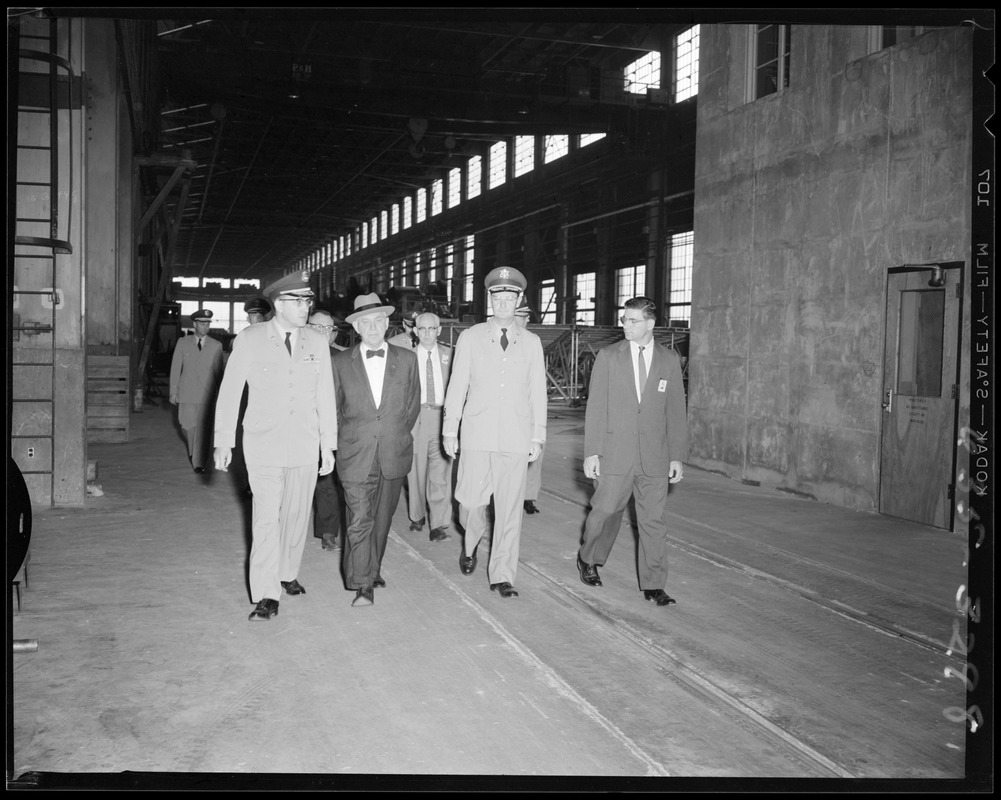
(503, 338)
(199, 344)
(288, 341)
(430, 381)
(371, 353)
(642, 364)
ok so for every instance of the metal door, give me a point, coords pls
(920, 393)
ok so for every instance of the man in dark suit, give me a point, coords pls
(635, 440)
(378, 399)
(429, 484)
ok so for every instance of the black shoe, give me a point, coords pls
(504, 589)
(330, 544)
(419, 525)
(659, 596)
(266, 609)
(588, 572)
(530, 507)
(199, 470)
(440, 535)
(467, 565)
(293, 587)
(364, 597)
(379, 583)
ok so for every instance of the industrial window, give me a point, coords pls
(474, 176)
(432, 275)
(449, 270)
(547, 302)
(883, 36)
(250, 283)
(188, 283)
(768, 55)
(222, 314)
(686, 64)
(680, 259)
(375, 230)
(498, 165)
(643, 74)
(629, 282)
(421, 211)
(590, 138)
(415, 273)
(364, 236)
(395, 217)
(384, 224)
(403, 273)
(524, 154)
(556, 146)
(584, 289)
(408, 212)
(454, 187)
(437, 196)
(469, 270)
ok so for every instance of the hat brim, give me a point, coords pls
(387, 310)
(505, 287)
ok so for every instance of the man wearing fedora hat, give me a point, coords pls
(195, 370)
(289, 426)
(378, 399)
(497, 392)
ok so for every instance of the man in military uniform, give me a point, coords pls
(257, 310)
(289, 426)
(429, 484)
(195, 370)
(497, 392)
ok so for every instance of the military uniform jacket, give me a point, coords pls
(498, 396)
(194, 373)
(291, 412)
(616, 424)
(366, 430)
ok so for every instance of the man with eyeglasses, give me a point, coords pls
(290, 425)
(429, 484)
(328, 514)
(378, 399)
(635, 443)
(497, 392)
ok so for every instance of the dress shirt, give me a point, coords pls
(634, 353)
(422, 362)
(376, 369)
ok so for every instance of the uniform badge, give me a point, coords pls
(444, 359)
(662, 386)
(311, 359)
(505, 273)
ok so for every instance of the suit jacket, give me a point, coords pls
(365, 429)
(194, 373)
(616, 424)
(291, 412)
(499, 396)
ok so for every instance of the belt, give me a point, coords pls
(429, 405)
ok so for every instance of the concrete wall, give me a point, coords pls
(803, 200)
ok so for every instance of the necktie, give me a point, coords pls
(642, 364)
(199, 344)
(504, 338)
(430, 381)
(371, 353)
(288, 341)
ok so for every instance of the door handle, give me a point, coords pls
(888, 400)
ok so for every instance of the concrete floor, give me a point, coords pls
(809, 643)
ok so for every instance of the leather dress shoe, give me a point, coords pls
(199, 470)
(504, 589)
(364, 597)
(530, 507)
(379, 583)
(418, 526)
(659, 596)
(265, 609)
(439, 534)
(467, 565)
(293, 587)
(588, 572)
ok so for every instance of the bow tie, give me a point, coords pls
(370, 353)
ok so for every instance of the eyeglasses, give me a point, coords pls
(325, 328)
(628, 321)
(428, 330)
(300, 301)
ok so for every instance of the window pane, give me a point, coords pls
(524, 154)
(681, 259)
(686, 64)
(556, 146)
(454, 187)
(920, 347)
(498, 164)
(474, 169)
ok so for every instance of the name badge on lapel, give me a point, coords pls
(662, 386)
(311, 359)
